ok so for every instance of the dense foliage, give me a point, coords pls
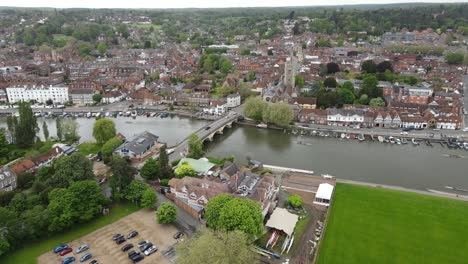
(166, 213)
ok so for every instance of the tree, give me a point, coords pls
(185, 169)
(109, 147)
(348, 85)
(364, 99)
(11, 123)
(102, 48)
(225, 65)
(151, 170)
(122, 176)
(369, 66)
(254, 107)
(165, 169)
(134, 191)
(25, 129)
(3, 145)
(369, 87)
(346, 95)
(195, 147)
(295, 200)
(213, 210)
(166, 213)
(69, 128)
(384, 66)
(454, 58)
(230, 214)
(208, 246)
(45, 130)
(245, 52)
(25, 180)
(58, 125)
(61, 210)
(149, 198)
(279, 114)
(377, 102)
(332, 68)
(330, 82)
(299, 81)
(97, 98)
(69, 169)
(103, 130)
(84, 49)
(35, 221)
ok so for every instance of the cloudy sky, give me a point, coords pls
(195, 3)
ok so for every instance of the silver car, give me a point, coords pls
(150, 250)
(82, 248)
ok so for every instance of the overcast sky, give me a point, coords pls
(195, 3)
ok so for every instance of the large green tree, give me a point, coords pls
(122, 176)
(134, 191)
(45, 130)
(58, 127)
(454, 57)
(185, 169)
(69, 128)
(279, 114)
(208, 246)
(149, 198)
(69, 169)
(195, 147)
(254, 107)
(150, 170)
(25, 129)
(103, 130)
(164, 166)
(109, 147)
(236, 214)
(213, 210)
(369, 66)
(166, 213)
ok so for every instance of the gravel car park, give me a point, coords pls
(105, 250)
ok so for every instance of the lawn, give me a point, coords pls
(373, 225)
(28, 255)
(87, 148)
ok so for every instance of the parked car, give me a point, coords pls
(127, 247)
(143, 242)
(94, 262)
(68, 260)
(150, 250)
(132, 234)
(146, 246)
(82, 248)
(138, 258)
(178, 235)
(85, 257)
(120, 240)
(465, 129)
(116, 236)
(133, 252)
(403, 133)
(60, 248)
(65, 251)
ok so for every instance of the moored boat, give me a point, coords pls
(381, 139)
(414, 141)
(404, 141)
(262, 125)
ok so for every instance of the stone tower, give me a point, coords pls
(290, 72)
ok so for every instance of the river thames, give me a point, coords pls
(418, 167)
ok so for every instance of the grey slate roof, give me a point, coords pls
(139, 144)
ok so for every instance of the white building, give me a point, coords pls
(324, 194)
(216, 109)
(233, 100)
(345, 117)
(41, 94)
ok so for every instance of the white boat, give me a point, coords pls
(404, 141)
(328, 176)
(381, 139)
(98, 115)
(134, 114)
(153, 114)
(413, 140)
(392, 140)
(93, 114)
(37, 114)
(88, 115)
(262, 125)
(343, 135)
(120, 113)
(397, 141)
(107, 114)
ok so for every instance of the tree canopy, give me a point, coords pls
(235, 214)
(295, 200)
(185, 169)
(195, 147)
(254, 107)
(166, 213)
(150, 170)
(68, 169)
(103, 130)
(279, 114)
(209, 246)
(25, 129)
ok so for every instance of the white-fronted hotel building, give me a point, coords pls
(58, 94)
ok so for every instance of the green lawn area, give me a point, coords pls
(147, 26)
(373, 225)
(29, 255)
(87, 148)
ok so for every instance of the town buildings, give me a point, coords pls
(41, 94)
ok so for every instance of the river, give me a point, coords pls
(170, 130)
(409, 166)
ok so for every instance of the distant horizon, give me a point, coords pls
(205, 4)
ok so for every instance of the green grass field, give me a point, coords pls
(29, 255)
(372, 225)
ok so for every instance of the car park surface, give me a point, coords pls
(105, 250)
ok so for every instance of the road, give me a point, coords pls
(426, 133)
(182, 148)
